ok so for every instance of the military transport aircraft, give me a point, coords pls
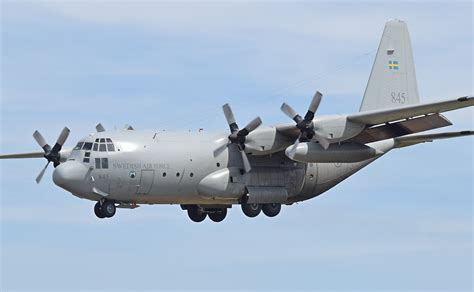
(259, 168)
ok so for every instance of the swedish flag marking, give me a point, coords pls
(393, 65)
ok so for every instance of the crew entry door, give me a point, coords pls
(146, 182)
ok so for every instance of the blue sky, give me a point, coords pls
(404, 223)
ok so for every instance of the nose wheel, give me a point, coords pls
(105, 209)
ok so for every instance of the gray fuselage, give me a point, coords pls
(147, 167)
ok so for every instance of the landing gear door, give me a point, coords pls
(146, 182)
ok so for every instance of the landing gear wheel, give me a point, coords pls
(108, 209)
(218, 216)
(251, 210)
(271, 210)
(98, 210)
(196, 214)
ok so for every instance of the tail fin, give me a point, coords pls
(392, 82)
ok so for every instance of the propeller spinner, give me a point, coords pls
(305, 125)
(51, 154)
(238, 136)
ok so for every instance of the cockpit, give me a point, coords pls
(85, 150)
(100, 144)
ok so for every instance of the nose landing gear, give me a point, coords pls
(105, 209)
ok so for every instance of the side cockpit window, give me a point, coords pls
(87, 146)
(78, 146)
(103, 145)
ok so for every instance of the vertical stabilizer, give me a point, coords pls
(392, 82)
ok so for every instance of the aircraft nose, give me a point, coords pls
(69, 174)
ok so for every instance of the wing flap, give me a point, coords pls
(376, 117)
(401, 128)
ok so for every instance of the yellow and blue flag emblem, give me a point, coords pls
(393, 65)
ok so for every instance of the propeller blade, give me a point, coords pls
(40, 175)
(322, 140)
(288, 110)
(255, 123)
(292, 150)
(229, 115)
(41, 141)
(220, 149)
(60, 142)
(245, 161)
(99, 128)
(315, 102)
(63, 136)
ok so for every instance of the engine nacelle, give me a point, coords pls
(223, 183)
(345, 152)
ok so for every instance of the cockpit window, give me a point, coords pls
(110, 147)
(103, 145)
(87, 146)
(78, 146)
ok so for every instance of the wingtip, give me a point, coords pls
(466, 133)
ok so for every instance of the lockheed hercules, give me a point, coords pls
(258, 168)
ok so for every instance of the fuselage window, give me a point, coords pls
(87, 146)
(78, 146)
(96, 146)
(86, 160)
(101, 163)
(105, 163)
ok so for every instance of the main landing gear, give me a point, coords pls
(105, 209)
(253, 210)
(199, 213)
(218, 213)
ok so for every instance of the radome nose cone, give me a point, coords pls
(69, 173)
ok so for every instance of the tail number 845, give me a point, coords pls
(398, 97)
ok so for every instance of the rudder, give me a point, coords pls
(392, 81)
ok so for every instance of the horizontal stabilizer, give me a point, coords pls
(416, 139)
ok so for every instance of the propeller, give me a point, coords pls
(305, 125)
(51, 154)
(238, 136)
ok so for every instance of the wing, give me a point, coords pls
(416, 139)
(23, 155)
(375, 125)
(376, 117)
